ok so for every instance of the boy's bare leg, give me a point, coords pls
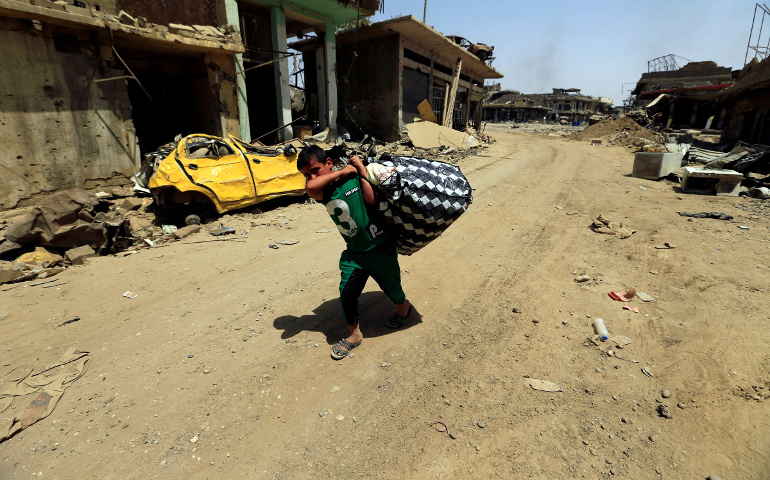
(403, 308)
(355, 334)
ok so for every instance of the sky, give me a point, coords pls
(593, 45)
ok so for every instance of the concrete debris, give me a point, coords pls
(78, 256)
(10, 271)
(67, 219)
(185, 232)
(429, 135)
(606, 226)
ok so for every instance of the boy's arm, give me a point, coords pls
(366, 187)
(315, 187)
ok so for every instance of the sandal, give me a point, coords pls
(398, 321)
(341, 349)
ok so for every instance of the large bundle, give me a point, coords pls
(421, 198)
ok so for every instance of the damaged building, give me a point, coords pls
(565, 105)
(683, 98)
(744, 108)
(386, 70)
(88, 87)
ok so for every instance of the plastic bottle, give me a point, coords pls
(601, 329)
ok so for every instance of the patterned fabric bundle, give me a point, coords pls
(421, 198)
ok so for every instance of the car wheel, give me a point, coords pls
(192, 220)
(482, 55)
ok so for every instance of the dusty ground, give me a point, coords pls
(228, 343)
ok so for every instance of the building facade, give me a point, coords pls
(87, 87)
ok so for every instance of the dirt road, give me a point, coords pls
(220, 366)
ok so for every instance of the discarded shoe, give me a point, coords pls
(398, 321)
(341, 349)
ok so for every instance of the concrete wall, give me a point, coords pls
(370, 90)
(58, 129)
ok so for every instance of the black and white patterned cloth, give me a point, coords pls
(421, 199)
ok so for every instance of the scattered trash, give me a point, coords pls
(51, 382)
(711, 181)
(287, 242)
(582, 278)
(635, 309)
(759, 192)
(168, 229)
(273, 246)
(646, 371)
(543, 385)
(149, 242)
(222, 230)
(130, 294)
(322, 231)
(642, 188)
(623, 296)
(644, 297)
(601, 329)
(441, 427)
(716, 215)
(608, 227)
(73, 320)
(743, 227)
(665, 246)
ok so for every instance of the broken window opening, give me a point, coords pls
(437, 100)
(205, 147)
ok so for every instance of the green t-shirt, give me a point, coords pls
(358, 222)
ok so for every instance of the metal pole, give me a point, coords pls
(751, 33)
(425, 11)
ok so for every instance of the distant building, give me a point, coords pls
(563, 105)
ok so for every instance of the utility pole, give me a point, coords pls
(425, 11)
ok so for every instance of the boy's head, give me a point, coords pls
(313, 162)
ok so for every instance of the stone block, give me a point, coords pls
(711, 182)
(131, 203)
(78, 255)
(187, 231)
(655, 165)
(10, 271)
(126, 19)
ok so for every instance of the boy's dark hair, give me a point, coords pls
(308, 154)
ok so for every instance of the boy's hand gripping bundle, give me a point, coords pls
(421, 198)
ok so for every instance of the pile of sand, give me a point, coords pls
(622, 131)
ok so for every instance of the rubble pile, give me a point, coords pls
(623, 132)
(423, 140)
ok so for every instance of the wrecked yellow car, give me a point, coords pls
(204, 171)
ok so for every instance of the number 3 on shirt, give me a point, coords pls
(340, 211)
